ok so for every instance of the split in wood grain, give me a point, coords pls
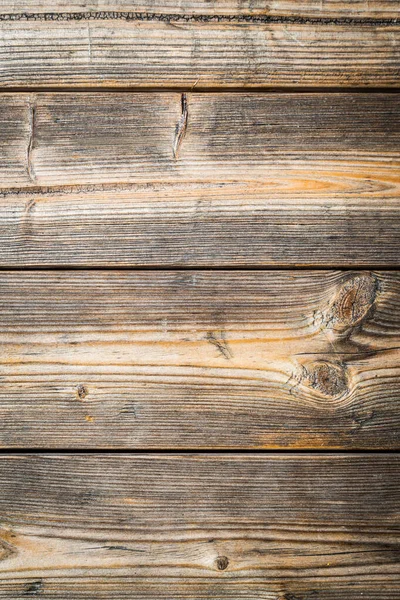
(181, 126)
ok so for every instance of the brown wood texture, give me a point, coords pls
(206, 526)
(290, 8)
(200, 359)
(279, 222)
(160, 135)
(202, 179)
(92, 138)
(77, 51)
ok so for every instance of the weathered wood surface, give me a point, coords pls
(233, 8)
(157, 51)
(213, 179)
(206, 526)
(341, 141)
(200, 359)
(342, 222)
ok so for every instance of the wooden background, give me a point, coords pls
(200, 300)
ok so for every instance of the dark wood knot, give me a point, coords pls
(81, 391)
(222, 563)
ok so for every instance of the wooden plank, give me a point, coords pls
(96, 138)
(340, 222)
(246, 179)
(200, 359)
(205, 526)
(233, 8)
(157, 51)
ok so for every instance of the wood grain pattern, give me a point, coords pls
(206, 526)
(342, 221)
(200, 359)
(68, 51)
(290, 8)
(96, 138)
(243, 179)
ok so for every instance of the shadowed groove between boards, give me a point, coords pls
(198, 89)
(193, 267)
(200, 452)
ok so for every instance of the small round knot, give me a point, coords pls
(222, 563)
(81, 391)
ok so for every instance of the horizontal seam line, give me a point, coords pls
(197, 451)
(194, 267)
(194, 18)
(238, 90)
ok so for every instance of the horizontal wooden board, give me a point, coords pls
(199, 179)
(340, 222)
(96, 138)
(88, 51)
(234, 8)
(208, 526)
(200, 359)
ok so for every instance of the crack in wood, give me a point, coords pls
(34, 588)
(31, 139)
(220, 342)
(181, 126)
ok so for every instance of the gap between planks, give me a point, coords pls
(166, 268)
(201, 452)
(198, 89)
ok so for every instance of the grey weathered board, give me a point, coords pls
(200, 359)
(256, 527)
(83, 50)
(201, 179)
